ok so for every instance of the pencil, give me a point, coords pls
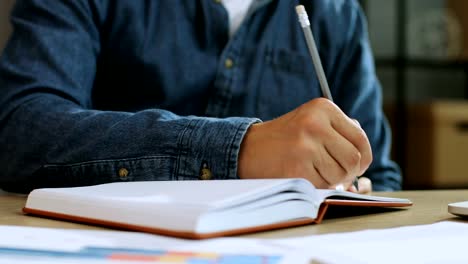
(305, 24)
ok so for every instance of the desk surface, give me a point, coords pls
(429, 207)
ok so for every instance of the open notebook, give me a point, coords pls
(197, 209)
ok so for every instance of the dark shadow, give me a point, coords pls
(336, 211)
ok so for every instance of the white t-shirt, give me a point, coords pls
(237, 10)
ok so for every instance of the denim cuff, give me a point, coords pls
(211, 145)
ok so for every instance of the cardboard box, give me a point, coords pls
(437, 145)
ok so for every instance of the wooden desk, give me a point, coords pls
(429, 207)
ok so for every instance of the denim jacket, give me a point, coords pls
(96, 91)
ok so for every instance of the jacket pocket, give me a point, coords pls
(287, 81)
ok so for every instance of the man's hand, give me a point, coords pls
(316, 141)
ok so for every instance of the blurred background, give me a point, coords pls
(5, 28)
(421, 55)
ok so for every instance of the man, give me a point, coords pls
(95, 91)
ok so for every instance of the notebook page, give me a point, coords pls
(324, 194)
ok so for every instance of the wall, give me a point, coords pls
(424, 83)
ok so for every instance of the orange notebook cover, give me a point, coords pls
(197, 209)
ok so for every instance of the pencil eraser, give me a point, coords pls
(300, 9)
(302, 15)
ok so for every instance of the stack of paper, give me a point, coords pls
(443, 242)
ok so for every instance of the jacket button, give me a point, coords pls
(123, 173)
(228, 63)
(205, 173)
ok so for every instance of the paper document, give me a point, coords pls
(444, 242)
(20, 245)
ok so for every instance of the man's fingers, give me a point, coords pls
(345, 153)
(327, 166)
(318, 180)
(352, 188)
(352, 131)
(357, 122)
(365, 185)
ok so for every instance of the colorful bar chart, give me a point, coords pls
(116, 255)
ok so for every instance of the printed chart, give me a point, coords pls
(116, 255)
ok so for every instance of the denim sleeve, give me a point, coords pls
(359, 95)
(49, 134)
